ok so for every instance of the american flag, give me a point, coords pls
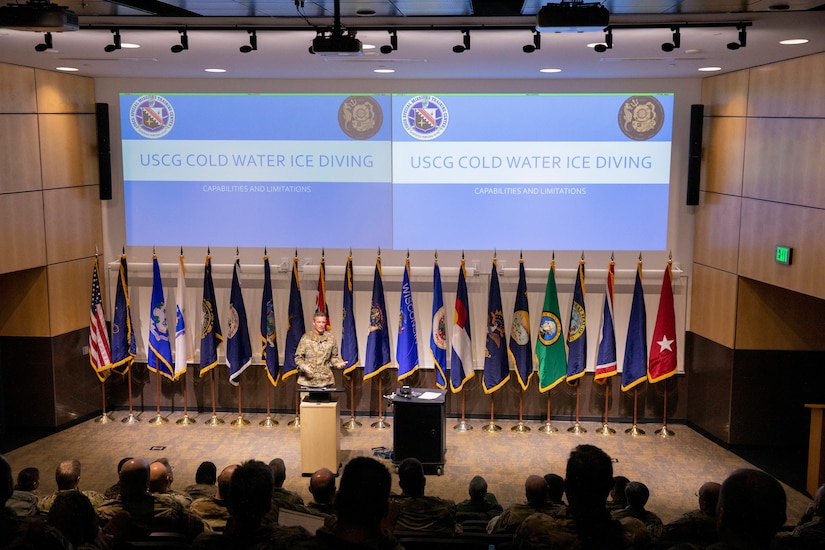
(100, 354)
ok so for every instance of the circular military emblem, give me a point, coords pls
(233, 321)
(520, 330)
(641, 117)
(440, 329)
(549, 328)
(425, 117)
(577, 322)
(360, 117)
(376, 318)
(207, 318)
(152, 116)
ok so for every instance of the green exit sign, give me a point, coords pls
(783, 255)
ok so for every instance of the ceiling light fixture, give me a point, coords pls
(184, 42)
(46, 45)
(536, 45)
(608, 42)
(677, 41)
(458, 48)
(115, 45)
(743, 38)
(253, 43)
(393, 45)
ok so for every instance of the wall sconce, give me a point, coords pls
(184, 43)
(115, 45)
(536, 45)
(46, 45)
(458, 48)
(743, 38)
(393, 45)
(677, 41)
(608, 42)
(253, 43)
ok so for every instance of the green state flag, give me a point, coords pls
(550, 352)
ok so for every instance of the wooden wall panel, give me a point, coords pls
(24, 309)
(723, 148)
(716, 235)
(70, 285)
(68, 145)
(17, 89)
(64, 93)
(767, 224)
(713, 305)
(73, 223)
(23, 245)
(19, 153)
(794, 88)
(726, 94)
(772, 318)
(784, 161)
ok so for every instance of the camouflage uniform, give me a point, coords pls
(318, 355)
(511, 518)
(153, 512)
(45, 503)
(283, 498)
(431, 514)
(213, 512)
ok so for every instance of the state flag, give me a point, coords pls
(521, 344)
(238, 346)
(461, 355)
(550, 351)
(606, 355)
(124, 347)
(577, 331)
(378, 356)
(634, 368)
(211, 336)
(438, 334)
(183, 342)
(321, 295)
(269, 334)
(295, 327)
(160, 349)
(349, 337)
(496, 366)
(662, 363)
(406, 351)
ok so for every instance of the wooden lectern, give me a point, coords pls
(816, 449)
(320, 432)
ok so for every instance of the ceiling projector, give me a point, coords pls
(336, 44)
(38, 16)
(575, 16)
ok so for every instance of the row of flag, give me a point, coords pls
(555, 357)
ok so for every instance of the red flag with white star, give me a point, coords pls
(662, 359)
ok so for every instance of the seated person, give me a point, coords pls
(214, 511)
(71, 513)
(160, 481)
(812, 531)
(114, 490)
(481, 505)
(282, 498)
(538, 501)
(205, 478)
(23, 500)
(322, 489)
(555, 488)
(67, 477)
(697, 526)
(416, 512)
(617, 500)
(637, 495)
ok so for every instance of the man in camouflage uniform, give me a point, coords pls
(281, 497)
(67, 477)
(213, 511)
(317, 354)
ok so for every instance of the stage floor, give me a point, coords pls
(673, 468)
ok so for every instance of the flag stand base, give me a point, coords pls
(158, 420)
(665, 432)
(576, 429)
(351, 424)
(548, 428)
(380, 424)
(491, 427)
(521, 428)
(214, 421)
(463, 426)
(268, 422)
(605, 430)
(240, 422)
(186, 420)
(634, 430)
(131, 419)
(104, 419)
(295, 422)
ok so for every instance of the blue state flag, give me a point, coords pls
(496, 366)
(295, 327)
(521, 344)
(238, 346)
(606, 355)
(349, 338)
(406, 352)
(461, 355)
(378, 356)
(269, 336)
(211, 336)
(160, 349)
(634, 368)
(438, 334)
(124, 348)
(577, 331)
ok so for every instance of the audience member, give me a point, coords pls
(618, 501)
(114, 490)
(205, 478)
(813, 531)
(697, 526)
(481, 505)
(214, 511)
(161, 477)
(637, 495)
(281, 497)
(542, 532)
(417, 512)
(67, 477)
(322, 489)
(71, 513)
(23, 500)
(750, 512)
(555, 488)
(538, 501)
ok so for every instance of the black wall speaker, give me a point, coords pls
(104, 158)
(697, 114)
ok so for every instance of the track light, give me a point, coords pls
(677, 41)
(608, 42)
(46, 45)
(536, 45)
(253, 43)
(184, 43)
(743, 39)
(458, 48)
(393, 45)
(115, 45)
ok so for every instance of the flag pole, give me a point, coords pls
(239, 422)
(214, 420)
(104, 416)
(158, 420)
(268, 422)
(492, 426)
(380, 424)
(635, 430)
(462, 426)
(577, 428)
(521, 427)
(606, 429)
(296, 422)
(352, 423)
(131, 419)
(664, 431)
(186, 420)
(547, 427)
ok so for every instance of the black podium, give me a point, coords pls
(419, 428)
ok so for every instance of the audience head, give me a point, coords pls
(636, 535)
(751, 509)
(278, 471)
(207, 473)
(122, 461)
(67, 475)
(134, 478)
(619, 484)
(637, 494)
(74, 516)
(535, 490)
(478, 489)
(27, 479)
(6, 482)
(250, 492)
(589, 478)
(363, 493)
(224, 481)
(411, 477)
(555, 487)
(322, 486)
(159, 477)
(708, 497)
(165, 462)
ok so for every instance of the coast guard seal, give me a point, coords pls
(360, 117)
(641, 117)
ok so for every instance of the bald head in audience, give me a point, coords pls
(224, 480)
(535, 490)
(751, 509)
(134, 478)
(322, 486)
(159, 477)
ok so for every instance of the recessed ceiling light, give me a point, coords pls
(710, 69)
(693, 51)
(67, 69)
(794, 41)
(129, 46)
(383, 71)
(549, 70)
(367, 46)
(215, 70)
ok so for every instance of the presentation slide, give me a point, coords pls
(418, 171)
